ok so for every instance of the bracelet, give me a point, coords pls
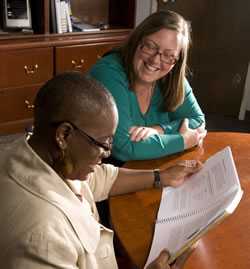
(157, 178)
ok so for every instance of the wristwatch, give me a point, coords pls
(157, 178)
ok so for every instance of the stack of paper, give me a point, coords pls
(188, 212)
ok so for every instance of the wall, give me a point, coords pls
(219, 54)
(143, 9)
(245, 103)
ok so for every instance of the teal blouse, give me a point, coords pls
(110, 72)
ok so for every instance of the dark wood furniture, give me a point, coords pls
(28, 60)
(219, 52)
(226, 246)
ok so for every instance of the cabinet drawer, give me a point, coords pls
(25, 67)
(14, 127)
(16, 103)
(79, 58)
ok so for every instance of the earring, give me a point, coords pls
(62, 155)
(68, 167)
(60, 143)
(66, 164)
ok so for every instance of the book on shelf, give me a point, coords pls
(68, 16)
(60, 16)
(85, 27)
(53, 16)
(202, 202)
(64, 22)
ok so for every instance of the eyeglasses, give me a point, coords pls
(106, 147)
(150, 48)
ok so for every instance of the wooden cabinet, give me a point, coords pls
(16, 110)
(22, 72)
(219, 80)
(219, 53)
(80, 57)
(29, 60)
(25, 67)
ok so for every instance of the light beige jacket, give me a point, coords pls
(42, 223)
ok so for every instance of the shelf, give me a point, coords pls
(32, 41)
(29, 60)
(114, 14)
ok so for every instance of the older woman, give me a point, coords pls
(50, 182)
(158, 113)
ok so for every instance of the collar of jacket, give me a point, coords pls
(44, 183)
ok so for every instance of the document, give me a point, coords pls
(202, 202)
(85, 27)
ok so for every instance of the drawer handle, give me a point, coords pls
(29, 106)
(99, 56)
(30, 70)
(77, 65)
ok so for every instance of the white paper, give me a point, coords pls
(189, 209)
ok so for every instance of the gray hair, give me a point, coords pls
(70, 96)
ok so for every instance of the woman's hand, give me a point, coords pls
(192, 137)
(138, 133)
(174, 176)
(161, 262)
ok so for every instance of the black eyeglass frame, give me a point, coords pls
(156, 51)
(105, 147)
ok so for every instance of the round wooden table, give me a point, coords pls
(225, 247)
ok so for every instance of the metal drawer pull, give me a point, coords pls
(30, 70)
(77, 65)
(28, 105)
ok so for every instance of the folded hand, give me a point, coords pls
(138, 133)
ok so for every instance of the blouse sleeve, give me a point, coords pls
(189, 109)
